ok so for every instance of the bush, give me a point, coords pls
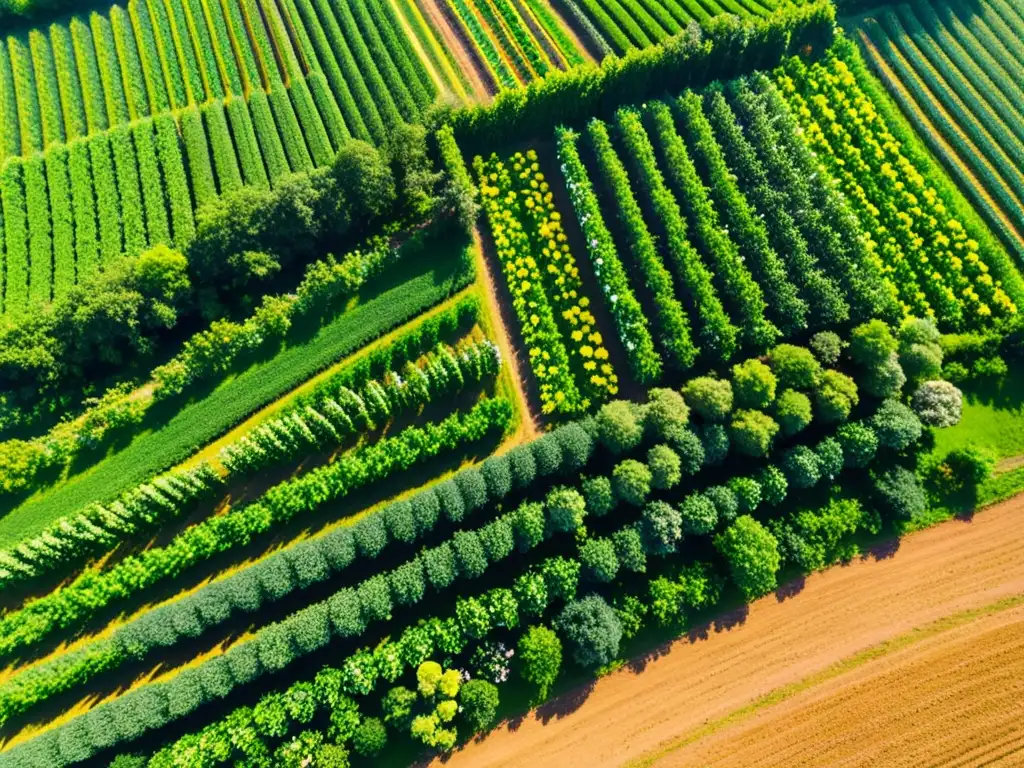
(710, 397)
(547, 453)
(498, 539)
(497, 473)
(896, 426)
(836, 397)
(921, 362)
(830, 453)
(753, 384)
(898, 493)
(576, 445)
(699, 514)
(827, 346)
(629, 548)
(727, 503)
(524, 468)
(331, 756)
(748, 495)
(859, 443)
(886, 379)
(662, 526)
(938, 404)
(566, 509)
(632, 481)
(618, 427)
(592, 630)
(795, 367)
(529, 525)
(690, 450)
(753, 556)
(598, 558)
(397, 706)
(774, 485)
(962, 468)
(370, 738)
(802, 467)
(540, 658)
(666, 414)
(793, 412)
(478, 702)
(715, 441)
(598, 493)
(470, 558)
(872, 343)
(665, 466)
(473, 487)
(752, 432)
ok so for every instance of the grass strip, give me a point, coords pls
(439, 275)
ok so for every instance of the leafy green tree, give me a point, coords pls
(795, 367)
(397, 705)
(665, 466)
(619, 428)
(859, 443)
(632, 481)
(700, 516)
(370, 737)
(540, 658)
(592, 631)
(666, 414)
(753, 384)
(752, 432)
(478, 701)
(836, 397)
(793, 412)
(827, 347)
(898, 492)
(896, 426)
(662, 527)
(872, 343)
(710, 397)
(630, 550)
(599, 559)
(753, 556)
(566, 509)
(599, 495)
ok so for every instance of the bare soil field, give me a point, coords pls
(713, 681)
(956, 698)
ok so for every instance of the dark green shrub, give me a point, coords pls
(308, 563)
(748, 494)
(827, 347)
(599, 496)
(400, 524)
(662, 527)
(774, 486)
(666, 414)
(452, 503)
(631, 481)
(896, 426)
(699, 515)
(370, 738)
(478, 703)
(371, 535)
(346, 615)
(753, 556)
(426, 507)
(566, 509)
(523, 466)
(898, 493)
(858, 442)
(665, 466)
(547, 454)
(726, 503)
(497, 472)
(339, 547)
(529, 525)
(407, 582)
(802, 467)
(716, 443)
(599, 559)
(629, 549)
(592, 631)
(470, 558)
(498, 539)
(576, 444)
(439, 565)
(473, 488)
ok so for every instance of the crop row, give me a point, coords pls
(898, 205)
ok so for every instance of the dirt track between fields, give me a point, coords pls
(627, 716)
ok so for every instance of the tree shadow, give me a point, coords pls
(882, 550)
(790, 589)
(566, 704)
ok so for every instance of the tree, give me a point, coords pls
(827, 346)
(938, 404)
(896, 426)
(576, 444)
(478, 701)
(690, 450)
(666, 414)
(629, 549)
(753, 556)
(898, 492)
(753, 384)
(752, 432)
(332, 756)
(748, 496)
(592, 630)
(598, 558)
(802, 467)
(836, 397)
(872, 343)
(367, 182)
(428, 675)
(662, 527)
(370, 737)
(566, 509)
(710, 397)
(632, 481)
(962, 468)
(793, 412)
(859, 443)
(598, 493)
(540, 657)
(725, 500)
(886, 379)
(774, 485)
(618, 427)
(715, 442)
(795, 367)
(700, 516)
(397, 706)
(921, 362)
(665, 466)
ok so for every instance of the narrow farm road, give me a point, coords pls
(642, 717)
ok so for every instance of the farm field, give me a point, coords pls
(706, 699)
(955, 71)
(375, 373)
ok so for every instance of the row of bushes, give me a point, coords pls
(91, 592)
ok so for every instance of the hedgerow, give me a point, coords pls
(48, 88)
(110, 70)
(269, 139)
(16, 234)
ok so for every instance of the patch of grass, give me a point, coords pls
(993, 418)
(428, 279)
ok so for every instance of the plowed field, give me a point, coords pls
(916, 658)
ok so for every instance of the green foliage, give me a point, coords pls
(619, 427)
(665, 466)
(898, 493)
(752, 432)
(872, 343)
(592, 631)
(662, 526)
(753, 556)
(699, 514)
(478, 702)
(599, 495)
(631, 481)
(370, 738)
(827, 347)
(753, 384)
(793, 412)
(795, 367)
(836, 397)
(896, 426)
(711, 398)
(599, 559)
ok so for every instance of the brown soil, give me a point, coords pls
(780, 641)
(954, 699)
(478, 77)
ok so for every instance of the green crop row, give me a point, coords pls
(393, 79)
(414, 72)
(496, 31)
(554, 29)
(479, 39)
(675, 334)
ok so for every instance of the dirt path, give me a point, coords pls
(499, 319)
(780, 641)
(481, 83)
